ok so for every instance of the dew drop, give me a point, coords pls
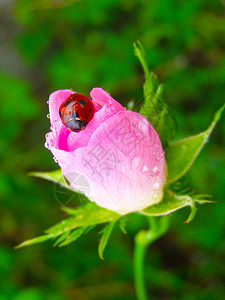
(155, 169)
(47, 145)
(55, 159)
(107, 110)
(48, 102)
(156, 185)
(159, 156)
(144, 169)
(154, 172)
(48, 116)
(130, 105)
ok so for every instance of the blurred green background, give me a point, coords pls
(47, 45)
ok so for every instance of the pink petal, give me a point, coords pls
(118, 158)
(105, 107)
(55, 101)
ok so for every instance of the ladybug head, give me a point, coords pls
(74, 124)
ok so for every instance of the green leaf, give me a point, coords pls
(85, 216)
(106, 232)
(170, 203)
(181, 155)
(154, 107)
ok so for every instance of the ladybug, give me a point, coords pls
(76, 111)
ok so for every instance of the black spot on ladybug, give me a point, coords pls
(66, 103)
(90, 110)
(81, 102)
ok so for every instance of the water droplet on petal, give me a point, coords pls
(48, 116)
(155, 169)
(159, 156)
(48, 102)
(55, 159)
(144, 169)
(47, 145)
(156, 185)
(154, 172)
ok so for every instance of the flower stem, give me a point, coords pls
(139, 254)
(142, 240)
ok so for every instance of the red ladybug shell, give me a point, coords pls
(76, 111)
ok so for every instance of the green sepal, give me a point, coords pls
(172, 202)
(181, 155)
(53, 176)
(106, 232)
(37, 240)
(85, 216)
(67, 238)
(56, 176)
(61, 238)
(71, 237)
(122, 224)
(154, 108)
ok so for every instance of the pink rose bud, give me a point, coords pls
(113, 156)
